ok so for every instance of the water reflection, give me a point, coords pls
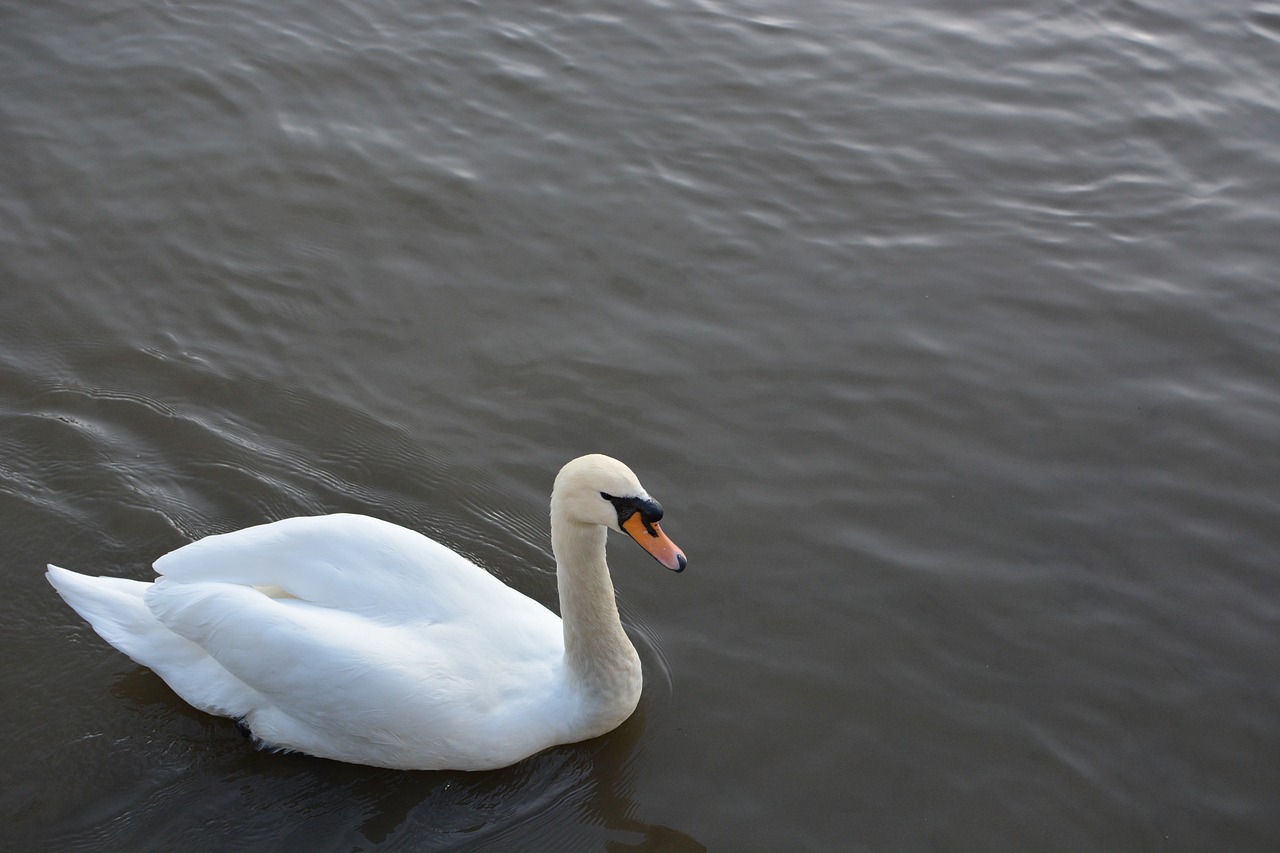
(613, 805)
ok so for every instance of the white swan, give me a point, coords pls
(350, 638)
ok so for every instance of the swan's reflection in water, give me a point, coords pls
(580, 790)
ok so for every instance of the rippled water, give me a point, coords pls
(945, 333)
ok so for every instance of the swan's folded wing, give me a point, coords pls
(282, 649)
(333, 670)
(349, 562)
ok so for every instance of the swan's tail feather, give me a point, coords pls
(113, 606)
(117, 610)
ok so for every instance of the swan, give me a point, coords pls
(350, 638)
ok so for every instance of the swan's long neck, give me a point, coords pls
(599, 655)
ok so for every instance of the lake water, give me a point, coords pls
(947, 334)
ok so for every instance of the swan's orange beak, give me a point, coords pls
(651, 538)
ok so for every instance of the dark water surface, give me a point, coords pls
(948, 335)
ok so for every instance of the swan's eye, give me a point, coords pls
(649, 509)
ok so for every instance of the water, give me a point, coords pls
(945, 335)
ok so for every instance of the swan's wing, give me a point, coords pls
(340, 684)
(346, 562)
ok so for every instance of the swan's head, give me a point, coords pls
(599, 489)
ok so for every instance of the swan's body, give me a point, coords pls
(351, 638)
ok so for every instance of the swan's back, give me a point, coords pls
(347, 562)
